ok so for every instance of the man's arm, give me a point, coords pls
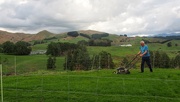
(143, 53)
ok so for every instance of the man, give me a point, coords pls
(144, 53)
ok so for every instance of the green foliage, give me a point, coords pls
(77, 59)
(100, 42)
(164, 60)
(8, 47)
(59, 49)
(176, 44)
(51, 62)
(73, 34)
(157, 59)
(99, 36)
(85, 35)
(82, 42)
(19, 48)
(169, 44)
(51, 38)
(53, 49)
(22, 48)
(175, 62)
(1, 49)
(39, 42)
(106, 60)
(102, 60)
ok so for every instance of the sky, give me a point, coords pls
(131, 17)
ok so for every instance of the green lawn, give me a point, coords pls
(93, 86)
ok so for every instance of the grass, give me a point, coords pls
(89, 86)
(34, 83)
(26, 64)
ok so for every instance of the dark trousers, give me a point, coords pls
(148, 62)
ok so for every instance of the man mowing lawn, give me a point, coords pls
(144, 53)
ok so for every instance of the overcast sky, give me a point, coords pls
(130, 17)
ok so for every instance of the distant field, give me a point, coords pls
(93, 86)
(116, 50)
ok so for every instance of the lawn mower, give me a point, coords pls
(127, 67)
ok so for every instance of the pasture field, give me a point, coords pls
(93, 86)
(117, 50)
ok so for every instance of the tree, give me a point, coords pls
(125, 35)
(53, 49)
(164, 63)
(105, 60)
(172, 63)
(95, 62)
(22, 48)
(85, 35)
(99, 36)
(78, 59)
(157, 59)
(59, 49)
(176, 44)
(82, 42)
(169, 44)
(1, 49)
(177, 61)
(100, 42)
(51, 62)
(73, 34)
(8, 47)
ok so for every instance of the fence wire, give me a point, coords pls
(41, 87)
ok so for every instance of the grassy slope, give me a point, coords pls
(91, 86)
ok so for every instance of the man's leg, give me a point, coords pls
(148, 62)
(142, 64)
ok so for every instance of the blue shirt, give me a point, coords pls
(143, 49)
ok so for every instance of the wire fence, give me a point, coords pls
(92, 86)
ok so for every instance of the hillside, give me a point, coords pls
(14, 37)
(90, 32)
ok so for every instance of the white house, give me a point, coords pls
(127, 45)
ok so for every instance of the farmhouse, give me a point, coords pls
(38, 52)
(127, 45)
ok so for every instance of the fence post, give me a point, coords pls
(99, 61)
(1, 84)
(108, 62)
(15, 65)
(153, 58)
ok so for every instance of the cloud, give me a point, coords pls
(113, 16)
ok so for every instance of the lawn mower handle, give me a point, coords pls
(129, 64)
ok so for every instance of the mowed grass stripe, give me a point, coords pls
(83, 85)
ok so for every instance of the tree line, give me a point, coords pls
(162, 60)
(18, 48)
(159, 60)
(94, 39)
(77, 57)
